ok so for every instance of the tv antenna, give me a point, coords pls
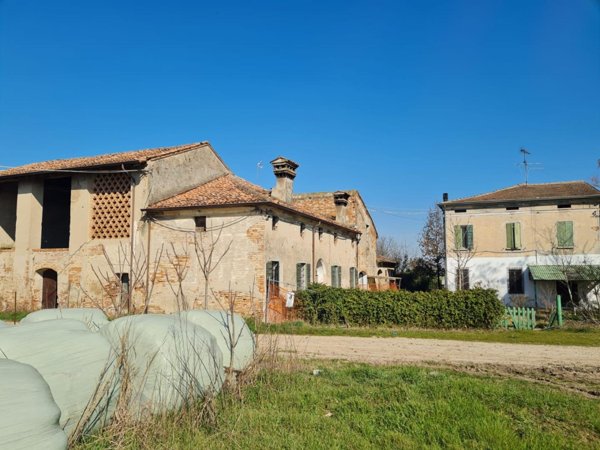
(259, 167)
(527, 166)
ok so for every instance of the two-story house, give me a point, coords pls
(146, 230)
(530, 242)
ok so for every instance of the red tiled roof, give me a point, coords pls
(86, 162)
(322, 203)
(531, 192)
(230, 190)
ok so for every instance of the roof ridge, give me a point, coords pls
(516, 186)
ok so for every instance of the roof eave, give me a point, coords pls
(244, 204)
(538, 201)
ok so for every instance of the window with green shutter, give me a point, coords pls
(564, 234)
(463, 237)
(302, 276)
(513, 236)
(336, 276)
(353, 277)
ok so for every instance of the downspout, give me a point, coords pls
(314, 267)
(131, 244)
(147, 302)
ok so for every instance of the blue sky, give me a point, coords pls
(401, 100)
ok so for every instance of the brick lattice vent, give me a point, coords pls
(111, 217)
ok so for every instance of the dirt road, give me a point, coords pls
(409, 350)
(575, 369)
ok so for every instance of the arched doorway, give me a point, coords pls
(320, 272)
(49, 288)
(362, 280)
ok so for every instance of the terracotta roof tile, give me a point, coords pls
(322, 203)
(86, 162)
(531, 192)
(230, 190)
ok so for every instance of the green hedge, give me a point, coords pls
(476, 308)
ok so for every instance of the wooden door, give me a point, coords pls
(49, 293)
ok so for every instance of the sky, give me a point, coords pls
(401, 100)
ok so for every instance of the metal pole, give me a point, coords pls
(559, 311)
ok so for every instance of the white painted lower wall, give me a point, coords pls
(492, 273)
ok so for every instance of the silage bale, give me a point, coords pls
(231, 332)
(94, 318)
(170, 361)
(74, 362)
(29, 417)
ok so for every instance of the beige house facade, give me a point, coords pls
(530, 242)
(170, 228)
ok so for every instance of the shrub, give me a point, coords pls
(476, 308)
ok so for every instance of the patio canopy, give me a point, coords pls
(565, 273)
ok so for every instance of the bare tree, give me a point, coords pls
(431, 242)
(120, 277)
(209, 255)
(388, 247)
(462, 250)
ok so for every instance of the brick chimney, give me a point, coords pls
(340, 198)
(285, 172)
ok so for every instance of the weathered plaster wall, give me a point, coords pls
(181, 172)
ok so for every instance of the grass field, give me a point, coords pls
(12, 316)
(573, 334)
(359, 406)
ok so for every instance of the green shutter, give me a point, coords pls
(469, 237)
(308, 274)
(569, 230)
(564, 234)
(458, 243)
(510, 236)
(333, 277)
(517, 235)
(269, 270)
(299, 268)
(339, 271)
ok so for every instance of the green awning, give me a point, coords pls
(564, 273)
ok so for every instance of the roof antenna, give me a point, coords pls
(527, 166)
(259, 167)
(525, 163)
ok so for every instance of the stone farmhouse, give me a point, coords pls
(145, 230)
(530, 242)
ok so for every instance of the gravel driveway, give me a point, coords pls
(410, 350)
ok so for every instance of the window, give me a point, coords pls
(274, 222)
(515, 281)
(335, 238)
(563, 206)
(513, 236)
(512, 208)
(302, 276)
(320, 233)
(273, 279)
(463, 237)
(302, 228)
(462, 280)
(353, 277)
(200, 222)
(460, 210)
(124, 290)
(336, 276)
(564, 234)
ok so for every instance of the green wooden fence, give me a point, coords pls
(519, 318)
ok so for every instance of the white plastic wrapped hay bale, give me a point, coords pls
(73, 361)
(94, 318)
(231, 333)
(171, 361)
(29, 417)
